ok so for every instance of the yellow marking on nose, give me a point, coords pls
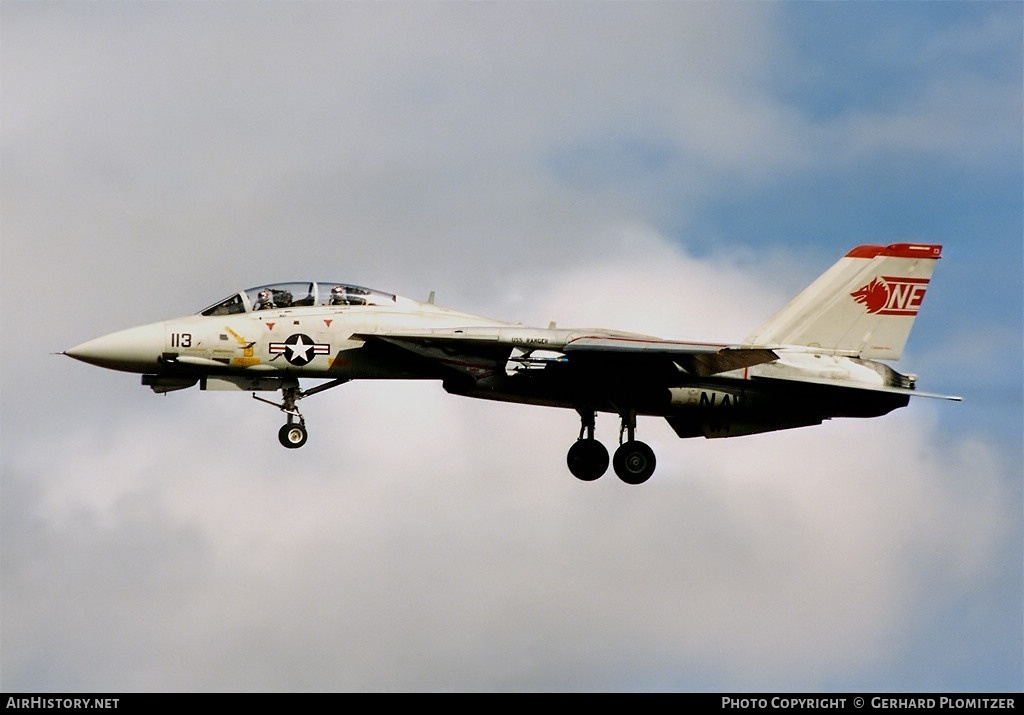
(241, 341)
(236, 336)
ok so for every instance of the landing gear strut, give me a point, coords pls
(587, 458)
(293, 434)
(633, 461)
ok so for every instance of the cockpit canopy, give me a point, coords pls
(297, 295)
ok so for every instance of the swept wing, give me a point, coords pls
(476, 348)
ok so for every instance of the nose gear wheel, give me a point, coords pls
(293, 435)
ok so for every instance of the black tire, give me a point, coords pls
(293, 435)
(587, 459)
(634, 462)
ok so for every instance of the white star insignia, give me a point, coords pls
(300, 349)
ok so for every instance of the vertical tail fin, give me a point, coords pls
(865, 304)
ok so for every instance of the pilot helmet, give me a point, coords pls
(264, 296)
(337, 293)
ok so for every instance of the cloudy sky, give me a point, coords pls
(679, 169)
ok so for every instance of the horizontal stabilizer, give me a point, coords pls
(853, 385)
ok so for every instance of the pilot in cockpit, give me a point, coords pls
(264, 300)
(338, 296)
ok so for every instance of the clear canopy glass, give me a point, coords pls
(278, 296)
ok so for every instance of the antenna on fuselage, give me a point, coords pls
(430, 298)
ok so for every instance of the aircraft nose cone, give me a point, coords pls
(132, 350)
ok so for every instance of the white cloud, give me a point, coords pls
(422, 541)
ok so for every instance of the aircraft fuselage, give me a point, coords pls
(817, 358)
(255, 351)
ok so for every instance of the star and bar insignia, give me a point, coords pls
(299, 349)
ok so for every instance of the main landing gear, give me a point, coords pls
(633, 461)
(293, 434)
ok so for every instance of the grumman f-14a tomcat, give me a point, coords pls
(817, 358)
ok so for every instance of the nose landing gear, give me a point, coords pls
(634, 461)
(293, 434)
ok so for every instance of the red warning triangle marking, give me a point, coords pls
(328, 322)
(270, 326)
